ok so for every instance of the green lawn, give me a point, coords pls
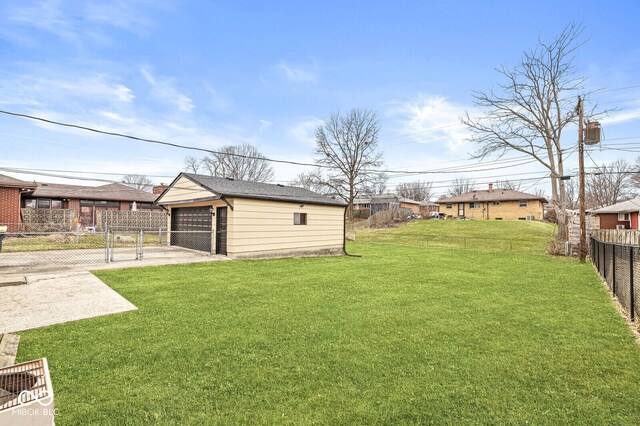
(404, 334)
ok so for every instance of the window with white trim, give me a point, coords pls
(523, 203)
(623, 217)
(449, 205)
(474, 205)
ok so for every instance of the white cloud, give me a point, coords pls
(76, 22)
(298, 73)
(304, 131)
(163, 89)
(264, 124)
(430, 119)
(628, 115)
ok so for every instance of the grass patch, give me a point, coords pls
(404, 334)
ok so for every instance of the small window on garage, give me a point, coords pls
(449, 205)
(523, 203)
(299, 218)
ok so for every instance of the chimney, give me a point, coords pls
(160, 188)
(490, 187)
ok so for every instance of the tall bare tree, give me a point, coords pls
(531, 108)
(192, 164)
(242, 162)
(460, 186)
(508, 184)
(313, 181)
(347, 146)
(141, 182)
(610, 184)
(635, 176)
(376, 187)
(416, 190)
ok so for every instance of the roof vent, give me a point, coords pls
(229, 178)
(281, 185)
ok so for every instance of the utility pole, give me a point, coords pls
(583, 224)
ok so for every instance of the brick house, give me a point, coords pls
(623, 215)
(494, 204)
(18, 197)
(11, 191)
(392, 202)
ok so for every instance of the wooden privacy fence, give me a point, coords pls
(618, 236)
(132, 220)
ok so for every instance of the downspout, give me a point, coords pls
(344, 235)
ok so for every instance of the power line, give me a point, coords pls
(188, 147)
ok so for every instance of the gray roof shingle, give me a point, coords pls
(112, 191)
(266, 191)
(628, 206)
(8, 181)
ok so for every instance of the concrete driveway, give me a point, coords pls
(18, 263)
(48, 299)
(59, 287)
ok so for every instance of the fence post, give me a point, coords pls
(141, 239)
(613, 270)
(107, 254)
(631, 298)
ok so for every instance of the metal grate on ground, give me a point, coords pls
(23, 383)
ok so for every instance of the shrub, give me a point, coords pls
(389, 218)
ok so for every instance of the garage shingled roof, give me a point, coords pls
(229, 188)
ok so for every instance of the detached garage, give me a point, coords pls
(244, 219)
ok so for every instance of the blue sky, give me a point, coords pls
(210, 73)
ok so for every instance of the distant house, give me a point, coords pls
(427, 208)
(623, 215)
(494, 204)
(11, 191)
(361, 207)
(244, 219)
(392, 202)
(18, 198)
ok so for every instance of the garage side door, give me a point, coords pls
(193, 228)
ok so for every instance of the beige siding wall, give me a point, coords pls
(185, 190)
(506, 210)
(264, 228)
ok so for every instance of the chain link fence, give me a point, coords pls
(618, 265)
(24, 251)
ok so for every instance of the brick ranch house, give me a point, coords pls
(494, 204)
(623, 215)
(18, 197)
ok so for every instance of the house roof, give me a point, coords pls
(494, 195)
(8, 181)
(632, 205)
(230, 188)
(386, 198)
(111, 192)
(361, 200)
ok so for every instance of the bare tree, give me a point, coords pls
(417, 190)
(635, 176)
(347, 145)
(460, 186)
(377, 187)
(571, 195)
(191, 164)
(610, 184)
(507, 184)
(532, 107)
(138, 182)
(242, 162)
(313, 181)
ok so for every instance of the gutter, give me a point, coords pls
(344, 234)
